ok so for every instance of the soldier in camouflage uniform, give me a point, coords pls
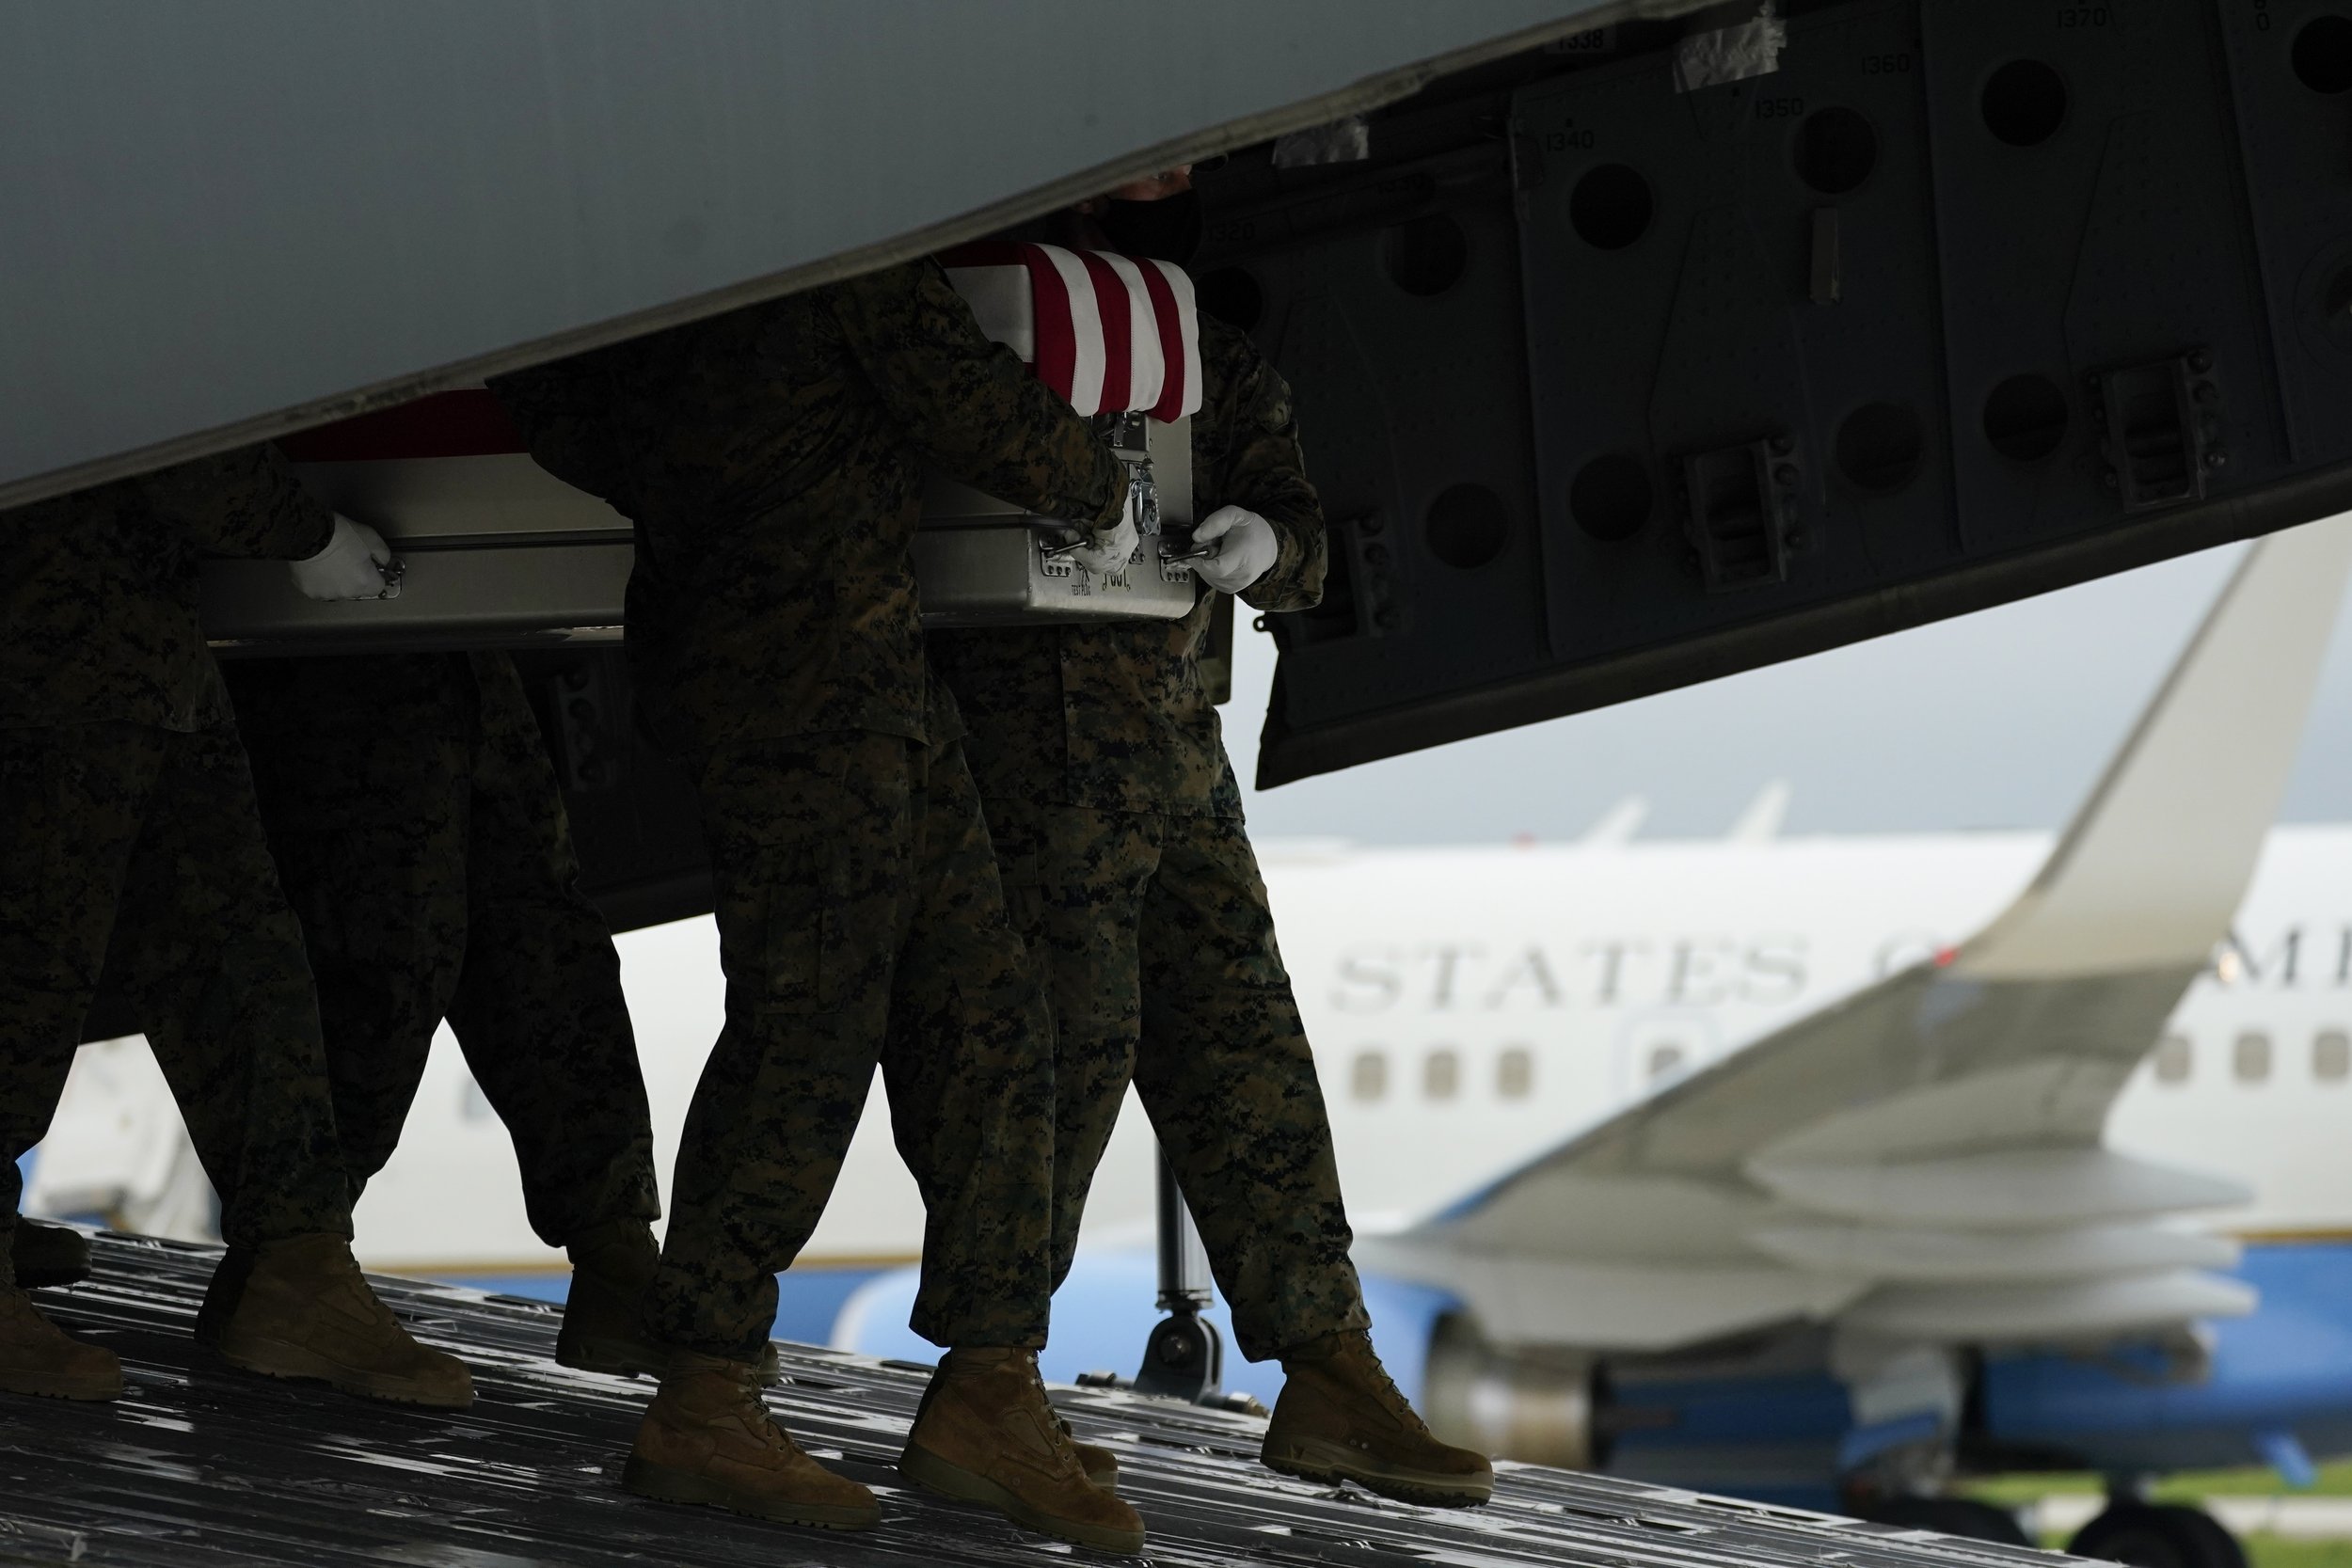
(422, 839)
(1119, 830)
(133, 850)
(772, 460)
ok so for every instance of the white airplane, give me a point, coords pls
(1809, 1168)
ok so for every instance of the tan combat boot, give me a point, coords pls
(612, 1266)
(47, 1255)
(1339, 1417)
(38, 1357)
(221, 1294)
(708, 1438)
(613, 1263)
(985, 1434)
(1100, 1464)
(304, 1311)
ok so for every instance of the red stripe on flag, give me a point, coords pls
(1119, 330)
(1172, 389)
(1056, 362)
(445, 425)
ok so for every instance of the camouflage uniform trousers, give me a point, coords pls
(861, 920)
(132, 857)
(1153, 942)
(421, 838)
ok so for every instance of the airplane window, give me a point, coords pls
(2331, 1055)
(2173, 1059)
(2250, 1059)
(1515, 1074)
(1664, 1061)
(1442, 1075)
(1370, 1080)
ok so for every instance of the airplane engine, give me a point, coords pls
(1535, 1405)
(1759, 1417)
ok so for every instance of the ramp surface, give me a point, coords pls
(199, 1464)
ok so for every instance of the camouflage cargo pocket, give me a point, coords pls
(801, 930)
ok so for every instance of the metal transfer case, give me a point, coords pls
(498, 552)
(980, 562)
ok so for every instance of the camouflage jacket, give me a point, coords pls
(1113, 715)
(772, 461)
(98, 589)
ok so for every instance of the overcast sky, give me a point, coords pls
(1997, 720)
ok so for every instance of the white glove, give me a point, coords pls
(351, 567)
(1247, 551)
(1110, 552)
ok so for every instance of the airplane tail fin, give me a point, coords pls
(2156, 860)
(1857, 1161)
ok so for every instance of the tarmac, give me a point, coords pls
(2296, 1518)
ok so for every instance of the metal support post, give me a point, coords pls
(1183, 1358)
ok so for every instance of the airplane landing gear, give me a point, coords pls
(2159, 1535)
(1185, 1357)
(1962, 1517)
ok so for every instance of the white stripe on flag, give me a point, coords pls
(1147, 365)
(1179, 285)
(1086, 323)
(1003, 303)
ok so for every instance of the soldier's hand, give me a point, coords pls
(1247, 548)
(350, 567)
(1110, 551)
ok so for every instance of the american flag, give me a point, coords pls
(1108, 332)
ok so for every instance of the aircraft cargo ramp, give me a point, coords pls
(199, 1465)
